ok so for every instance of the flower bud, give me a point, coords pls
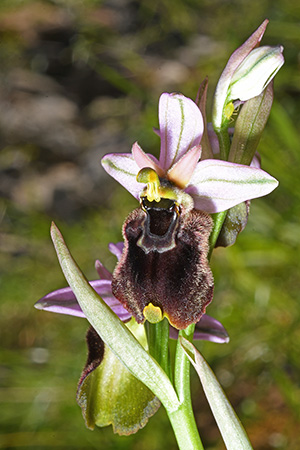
(247, 73)
(255, 73)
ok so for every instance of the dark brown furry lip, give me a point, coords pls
(177, 279)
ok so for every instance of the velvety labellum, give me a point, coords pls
(164, 262)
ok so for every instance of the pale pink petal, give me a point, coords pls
(218, 185)
(181, 127)
(156, 131)
(103, 273)
(143, 160)
(116, 249)
(182, 171)
(123, 168)
(207, 329)
(256, 161)
(214, 141)
(63, 301)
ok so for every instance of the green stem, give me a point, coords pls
(185, 429)
(158, 343)
(182, 367)
(218, 223)
(183, 420)
(224, 142)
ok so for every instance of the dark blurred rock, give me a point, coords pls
(104, 140)
(36, 191)
(51, 156)
(27, 19)
(32, 110)
(198, 47)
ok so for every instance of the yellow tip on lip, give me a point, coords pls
(150, 177)
(153, 313)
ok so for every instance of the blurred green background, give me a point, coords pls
(81, 78)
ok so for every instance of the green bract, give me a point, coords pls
(249, 126)
(232, 431)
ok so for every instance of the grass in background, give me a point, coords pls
(257, 280)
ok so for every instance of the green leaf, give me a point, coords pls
(111, 395)
(113, 331)
(232, 431)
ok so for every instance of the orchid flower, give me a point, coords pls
(163, 271)
(214, 185)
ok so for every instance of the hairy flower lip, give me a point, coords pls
(176, 278)
(63, 301)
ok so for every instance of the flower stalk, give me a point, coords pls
(158, 344)
(218, 223)
(185, 413)
(224, 142)
(185, 429)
